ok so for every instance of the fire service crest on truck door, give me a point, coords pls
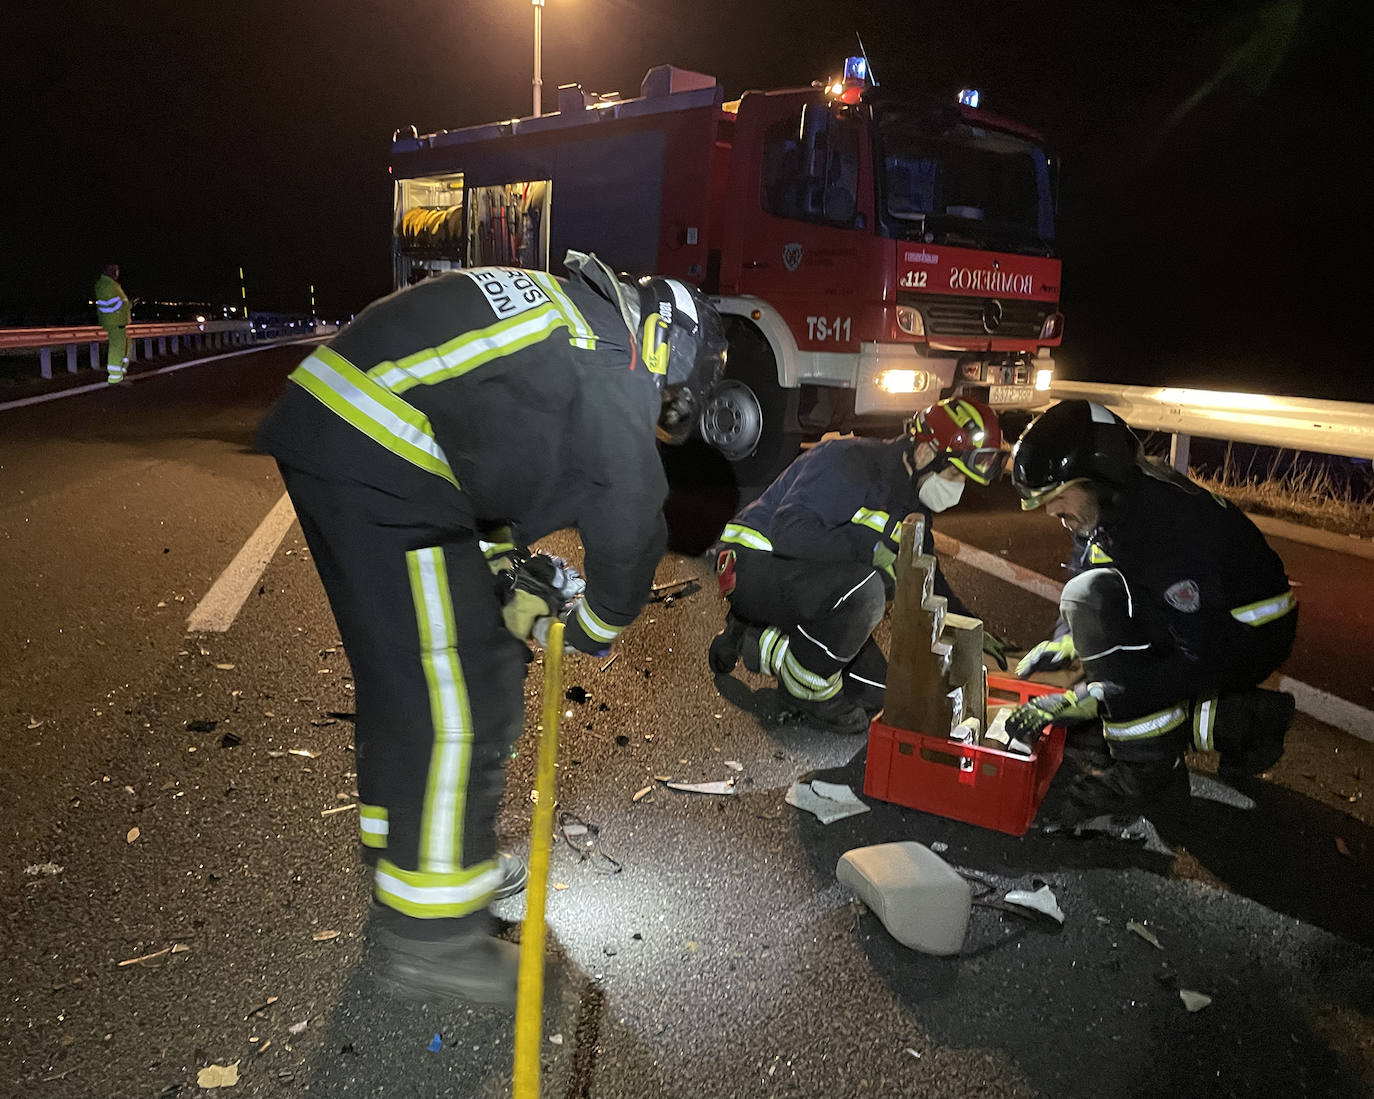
(792, 255)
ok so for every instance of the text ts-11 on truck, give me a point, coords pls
(870, 252)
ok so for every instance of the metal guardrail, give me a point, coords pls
(157, 338)
(1298, 423)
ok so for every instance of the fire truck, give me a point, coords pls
(869, 252)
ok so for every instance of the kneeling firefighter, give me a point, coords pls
(808, 567)
(1181, 609)
(449, 426)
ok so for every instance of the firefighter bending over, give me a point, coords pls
(1181, 610)
(808, 567)
(449, 426)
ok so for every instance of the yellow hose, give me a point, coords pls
(529, 1005)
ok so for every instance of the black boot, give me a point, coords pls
(468, 967)
(1250, 730)
(1126, 788)
(725, 646)
(834, 715)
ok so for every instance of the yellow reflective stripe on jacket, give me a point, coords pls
(1143, 728)
(745, 536)
(441, 821)
(1097, 555)
(376, 412)
(594, 626)
(373, 825)
(1204, 722)
(1265, 610)
(429, 896)
(581, 334)
(467, 352)
(868, 517)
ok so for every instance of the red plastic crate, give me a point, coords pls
(978, 785)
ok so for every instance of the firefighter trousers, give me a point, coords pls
(1170, 700)
(438, 682)
(816, 619)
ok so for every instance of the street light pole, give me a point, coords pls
(538, 49)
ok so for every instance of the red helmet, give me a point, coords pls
(965, 433)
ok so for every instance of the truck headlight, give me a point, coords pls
(909, 321)
(902, 381)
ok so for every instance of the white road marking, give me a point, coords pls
(1327, 708)
(222, 603)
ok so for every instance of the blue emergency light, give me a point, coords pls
(969, 97)
(855, 68)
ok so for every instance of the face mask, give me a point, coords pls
(938, 494)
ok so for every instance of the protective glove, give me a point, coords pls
(540, 633)
(1026, 722)
(1047, 656)
(540, 586)
(996, 648)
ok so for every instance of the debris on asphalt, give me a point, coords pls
(915, 1053)
(725, 787)
(261, 1007)
(132, 834)
(298, 1028)
(642, 793)
(1145, 933)
(218, 1076)
(622, 741)
(734, 765)
(576, 694)
(1041, 900)
(230, 740)
(338, 809)
(829, 801)
(556, 1039)
(435, 1044)
(1194, 1001)
(145, 957)
(34, 723)
(560, 885)
(305, 753)
(939, 847)
(201, 725)
(42, 869)
(325, 936)
(607, 665)
(225, 667)
(668, 593)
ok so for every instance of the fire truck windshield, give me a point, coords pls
(944, 180)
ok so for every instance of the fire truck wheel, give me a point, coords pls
(749, 417)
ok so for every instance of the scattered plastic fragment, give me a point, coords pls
(914, 1053)
(230, 740)
(642, 793)
(435, 1044)
(1194, 1001)
(1042, 900)
(734, 765)
(939, 847)
(829, 801)
(325, 936)
(556, 1039)
(298, 1028)
(132, 834)
(225, 667)
(560, 885)
(218, 1076)
(34, 723)
(303, 752)
(726, 787)
(1145, 933)
(179, 948)
(338, 809)
(607, 665)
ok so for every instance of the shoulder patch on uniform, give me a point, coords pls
(1184, 596)
(509, 291)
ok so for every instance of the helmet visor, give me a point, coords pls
(983, 465)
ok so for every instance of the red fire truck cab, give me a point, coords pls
(869, 252)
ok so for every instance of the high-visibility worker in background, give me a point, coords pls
(113, 307)
(808, 567)
(1180, 611)
(449, 426)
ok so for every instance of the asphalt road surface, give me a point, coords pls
(185, 800)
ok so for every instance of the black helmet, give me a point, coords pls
(1073, 441)
(683, 344)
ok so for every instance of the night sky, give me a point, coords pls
(1215, 197)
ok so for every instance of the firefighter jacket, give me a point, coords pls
(521, 397)
(835, 503)
(1194, 564)
(111, 303)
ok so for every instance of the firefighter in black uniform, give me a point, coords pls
(808, 566)
(449, 426)
(1181, 610)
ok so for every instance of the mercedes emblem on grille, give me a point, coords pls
(992, 315)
